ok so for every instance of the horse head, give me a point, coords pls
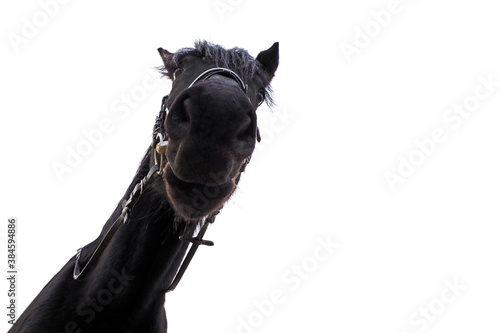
(211, 122)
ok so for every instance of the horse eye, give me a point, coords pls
(177, 71)
(260, 98)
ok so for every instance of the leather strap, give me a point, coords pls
(122, 219)
(197, 241)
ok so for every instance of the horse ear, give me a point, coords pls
(269, 59)
(164, 54)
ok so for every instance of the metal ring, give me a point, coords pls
(160, 137)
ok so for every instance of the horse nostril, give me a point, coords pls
(246, 130)
(179, 119)
(183, 115)
(245, 137)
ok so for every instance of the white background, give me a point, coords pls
(319, 173)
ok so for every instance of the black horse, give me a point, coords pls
(118, 282)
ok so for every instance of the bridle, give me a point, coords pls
(159, 133)
(221, 71)
(159, 148)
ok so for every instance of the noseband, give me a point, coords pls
(159, 147)
(221, 71)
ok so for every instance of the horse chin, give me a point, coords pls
(193, 201)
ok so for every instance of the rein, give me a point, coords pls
(159, 147)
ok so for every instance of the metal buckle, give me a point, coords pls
(159, 141)
(160, 149)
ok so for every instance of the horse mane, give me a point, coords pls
(236, 58)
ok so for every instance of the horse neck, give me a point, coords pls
(144, 255)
